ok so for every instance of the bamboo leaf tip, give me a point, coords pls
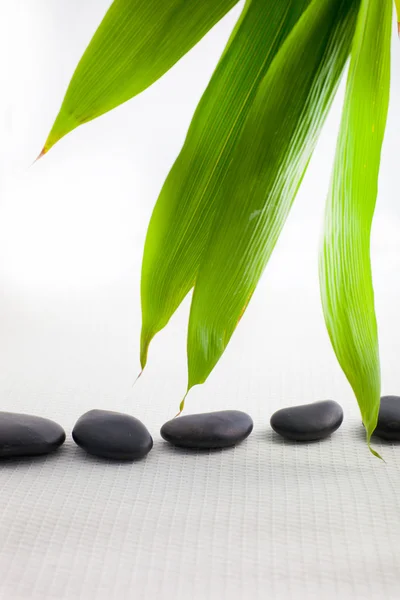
(144, 348)
(138, 377)
(64, 124)
(375, 453)
(143, 358)
(42, 153)
(182, 405)
(370, 448)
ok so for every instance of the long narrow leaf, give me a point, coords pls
(136, 43)
(345, 270)
(181, 220)
(270, 159)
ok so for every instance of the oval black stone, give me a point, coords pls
(388, 427)
(308, 422)
(112, 435)
(28, 435)
(219, 429)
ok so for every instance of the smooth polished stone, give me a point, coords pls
(219, 429)
(308, 422)
(388, 427)
(28, 435)
(114, 435)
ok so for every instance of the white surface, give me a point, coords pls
(266, 520)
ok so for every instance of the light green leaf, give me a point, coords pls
(270, 159)
(345, 270)
(185, 209)
(135, 44)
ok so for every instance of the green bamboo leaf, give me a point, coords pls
(270, 159)
(135, 44)
(185, 209)
(345, 270)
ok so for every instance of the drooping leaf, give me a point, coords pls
(185, 209)
(135, 44)
(270, 159)
(345, 270)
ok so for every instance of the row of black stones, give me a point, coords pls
(120, 436)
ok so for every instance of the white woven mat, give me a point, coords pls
(266, 519)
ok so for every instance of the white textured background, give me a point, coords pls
(268, 519)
